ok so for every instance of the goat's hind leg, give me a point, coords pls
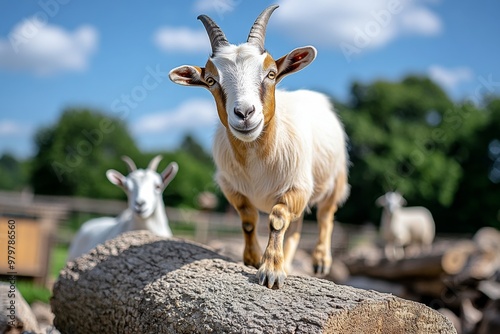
(292, 238)
(322, 254)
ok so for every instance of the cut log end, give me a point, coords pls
(455, 258)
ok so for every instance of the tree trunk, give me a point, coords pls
(447, 261)
(140, 283)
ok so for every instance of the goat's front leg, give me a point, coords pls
(288, 209)
(249, 216)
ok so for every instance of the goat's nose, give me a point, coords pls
(244, 113)
(139, 203)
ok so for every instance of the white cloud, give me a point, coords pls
(181, 39)
(218, 6)
(191, 115)
(450, 77)
(11, 129)
(47, 49)
(361, 24)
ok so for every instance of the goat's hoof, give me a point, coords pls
(322, 262)
(321, 265)
(271, 278)
(321, 270)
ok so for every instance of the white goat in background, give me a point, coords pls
(275, 151)
(411, 227)
(146, 210)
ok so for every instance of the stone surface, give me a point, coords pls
(140, 283)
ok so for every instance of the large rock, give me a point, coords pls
(141, 283)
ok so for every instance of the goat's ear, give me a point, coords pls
(381, 201)
(295, 61)
(116, 178)
(169, 173)
(188, 76)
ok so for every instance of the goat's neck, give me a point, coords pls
(386, 217)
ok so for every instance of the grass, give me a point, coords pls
(33, 292)
(58, 259)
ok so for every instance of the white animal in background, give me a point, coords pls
(411, 227)
(275, 151)
(146, 210)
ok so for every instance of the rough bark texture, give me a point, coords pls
(140, 283)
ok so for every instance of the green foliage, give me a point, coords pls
(192, 147)
(74, 154)
(409, 136)
(13, 173)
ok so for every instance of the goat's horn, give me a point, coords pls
(257, 34)
(130, 163)
(153, 165)
(217, 37)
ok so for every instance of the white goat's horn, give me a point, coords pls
(153, 165)
(257, 34)
(217, 37)
(130, 163)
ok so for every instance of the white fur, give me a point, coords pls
(403, 227)
(146, 211)
(241, 72)
(309, 139)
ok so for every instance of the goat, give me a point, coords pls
(404, 227)
(275, 151)
(146, 211)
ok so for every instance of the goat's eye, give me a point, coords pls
(271, 75)
(158, 187)
(210, 81)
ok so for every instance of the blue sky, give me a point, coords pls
(114, 56)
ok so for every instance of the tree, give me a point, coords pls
(409, 136)
(12, 173)
(192, 147)
(477, 201)
(74, 154)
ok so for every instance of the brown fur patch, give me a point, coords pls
(239, 148)
(216, 90)
(268, 99)
(322, 257)
(295, 201)
(289, 208)
(249, 218)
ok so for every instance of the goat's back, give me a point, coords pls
(419, 223)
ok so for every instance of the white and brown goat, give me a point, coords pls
(275, 151)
